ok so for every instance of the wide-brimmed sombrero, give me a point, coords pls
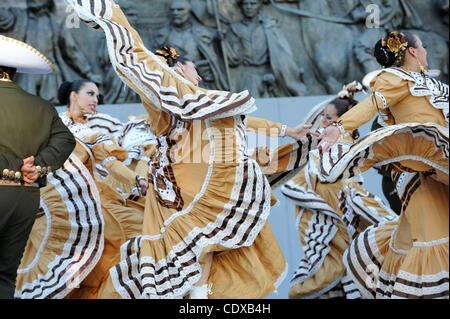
(23, 57)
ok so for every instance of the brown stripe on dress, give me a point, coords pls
(140, 76)
(422, 284)
(97, 117)
(103, 127)
(428, 296)
(360, 261)
(222, 110)
(78, 236)
(317, 228)
(121, 282)
(373, 220)
(193, 243)
(410, 188)
(103, 8)
(304, 261)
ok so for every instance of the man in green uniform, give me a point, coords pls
(33, 142)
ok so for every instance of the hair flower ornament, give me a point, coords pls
(396, 43)
(168, 52)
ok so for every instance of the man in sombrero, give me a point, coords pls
(33, 142)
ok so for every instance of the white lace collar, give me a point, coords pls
(426, 86)
(79, 130)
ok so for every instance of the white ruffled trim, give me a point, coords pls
(280, 279)
(109, 159)
(391, 241)
(382, 98)
(324, 290)
(72, 273)
(430, 243)
(415, 158)
(332, 173)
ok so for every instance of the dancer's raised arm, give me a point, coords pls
(150, 76)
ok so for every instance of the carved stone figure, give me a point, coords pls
(193, 41)
(273, 48)
(257, 45)
(330, 44)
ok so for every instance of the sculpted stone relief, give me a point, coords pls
(273, 48)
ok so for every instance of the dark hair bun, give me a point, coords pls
(170, 54)
(64, 92)
(384, 57)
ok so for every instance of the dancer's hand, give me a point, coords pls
(299, 131)
(328, 138)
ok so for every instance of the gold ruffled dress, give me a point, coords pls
(82, 224)
(206, 194)
(329, 216)
(407, 258)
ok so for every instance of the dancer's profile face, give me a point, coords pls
(86, 100)
(329, 115)
(190, 72)
(420, 52)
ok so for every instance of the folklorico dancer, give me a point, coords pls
(83, 221)
(34, 142)
(406, 258)
(205, 219)
(329, 216)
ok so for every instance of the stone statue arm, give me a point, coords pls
(232, 44)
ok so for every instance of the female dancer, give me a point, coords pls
(407, 258)
(206, 212)
(328, 217)
(71, 250)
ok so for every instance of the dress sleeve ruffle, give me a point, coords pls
(150, 77)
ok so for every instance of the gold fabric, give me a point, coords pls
(404, 107)
(410, 255)
(120, 223)
(205, 194)
(316, 283)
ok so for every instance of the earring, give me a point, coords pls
(422, 69)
